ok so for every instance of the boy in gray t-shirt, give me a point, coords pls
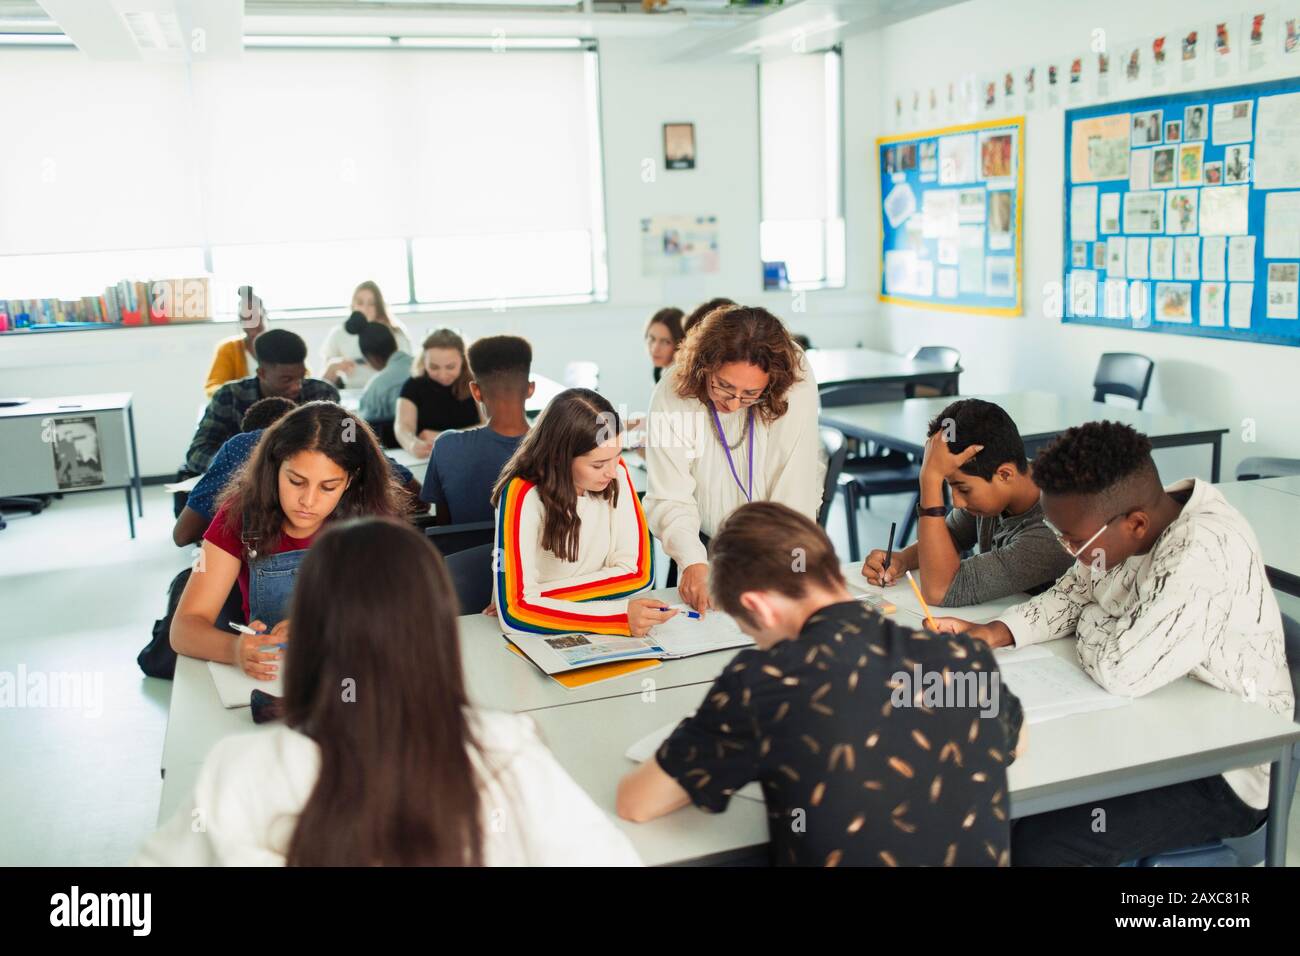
(976, 448)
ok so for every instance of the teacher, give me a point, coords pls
(734, 419)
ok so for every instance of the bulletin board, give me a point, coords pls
(951, 204)
(1182, 214)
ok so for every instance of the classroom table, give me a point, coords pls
(29, 459)
(1275, 517)
(1040, 416)
(855, 366)
(1290, 484)
(1181, 732)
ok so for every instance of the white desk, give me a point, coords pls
(1274, 514)
(1289, 484)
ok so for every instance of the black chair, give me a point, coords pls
(453, 538)
(1123, 373)
(837, 450)
(944, 355)
(1252, 468)
(471, 577)
(837, 394)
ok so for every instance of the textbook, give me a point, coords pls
(682, 636)
(234, 687)
(1049, 686)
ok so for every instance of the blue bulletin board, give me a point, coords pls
(1182, 214)
(951, 204)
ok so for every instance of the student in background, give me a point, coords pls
(465, 465)
(392, 368)
(663, 333)
(436, 398)
(280, 372)
(824, 714)
(574, 542)
(231, 360)
(976, 448)
(315, 465)
(733, 420)
(334, 786)
(201, 504)
(342, 353)
(696, 317)
(1166, 583)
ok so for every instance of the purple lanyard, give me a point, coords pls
(726, 450)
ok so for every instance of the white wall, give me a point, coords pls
(1225, 382)
(1221, 381)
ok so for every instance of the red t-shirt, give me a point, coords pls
(226, 536)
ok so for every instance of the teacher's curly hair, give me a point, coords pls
(740, 333)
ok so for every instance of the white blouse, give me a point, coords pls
(691, 484)
(253, 787)
(341, 343)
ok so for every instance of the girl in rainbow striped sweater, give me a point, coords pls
(572, 541)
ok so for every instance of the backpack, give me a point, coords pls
(158, 659)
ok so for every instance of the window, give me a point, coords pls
(800, 120)
(445, 175)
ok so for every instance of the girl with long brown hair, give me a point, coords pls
(315, 465)
(436, 398)
(345, 363)
(573, 544)
(381, 760)
(734, 420)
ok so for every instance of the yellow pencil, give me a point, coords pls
(924, 607)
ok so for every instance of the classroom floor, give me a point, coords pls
(77, 594)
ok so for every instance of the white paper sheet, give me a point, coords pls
(234, 686)
(957, 159)
(1213, 250)
(1241, 259)
(939, 214)
(683, 636)
(1213, 303)
(1282, 225)
(900, 204)
(1277, 142)
(1115, 262)
(1115, 299)
(1230, 122)
(1224, 210)
(1241, 297)
(1162, 257)
(1083, 293)
(1137, 250)
(1109, 213)
(1051, 687)
(1144, 212)
(1083, 214)
(1139, 170)
(945, 283)
(1187, 257)
(1282, 289)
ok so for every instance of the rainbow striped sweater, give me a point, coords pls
(538, 592)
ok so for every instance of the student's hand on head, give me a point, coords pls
(940, 461)
(874, 570)
(693, 586)
(645, 613)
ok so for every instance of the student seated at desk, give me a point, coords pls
(280, 371)
(392, 367)
(231, 360)
(1167, 582)
(663, 333)
(201, 503)
(976, 448)
(334, 785)
(573, 539)
(465, 464)
(858, 766)
(436, 397)
(315, 465)
(345, 362)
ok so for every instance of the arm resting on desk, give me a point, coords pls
(193, 626)
(647, 792)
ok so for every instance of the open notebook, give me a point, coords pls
(234, 687)
(1049, 686)
(680, 636)
(645, 748)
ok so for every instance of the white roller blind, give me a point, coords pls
(793, 100)
(97, 156)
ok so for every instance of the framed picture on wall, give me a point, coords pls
(679, 145)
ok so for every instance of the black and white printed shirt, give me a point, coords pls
(1197, 603)
(850, 776)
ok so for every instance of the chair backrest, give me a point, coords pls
(1252, 468)
(451, 538)
(858, 393)
(1123, 373)
(837, 449)
(471, 576)
(943, 355)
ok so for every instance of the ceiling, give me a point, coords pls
(164, 30)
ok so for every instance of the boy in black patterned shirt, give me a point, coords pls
(874, 744)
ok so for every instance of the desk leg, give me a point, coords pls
(1216, 454)
(1279, 808)
(135, 462)
(130, 511)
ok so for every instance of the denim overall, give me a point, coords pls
(270, 586)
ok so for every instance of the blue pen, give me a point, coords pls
(691, 614)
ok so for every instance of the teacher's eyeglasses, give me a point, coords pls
(728, 395)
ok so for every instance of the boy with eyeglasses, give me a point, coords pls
(1167, 583)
